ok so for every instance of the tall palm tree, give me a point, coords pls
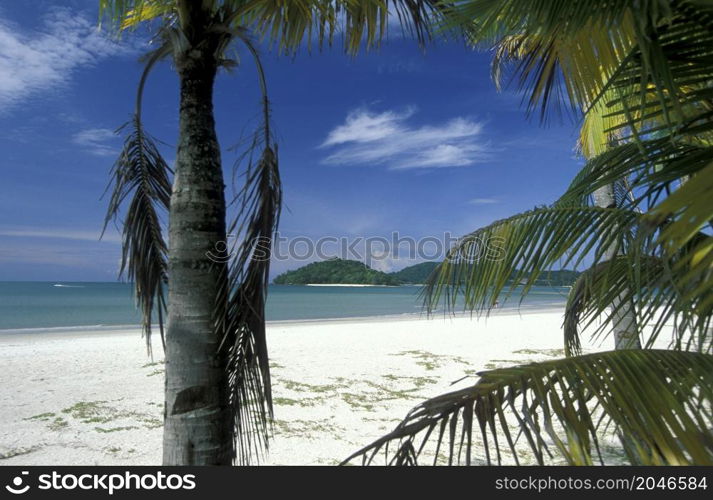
(217, 393)
(639, 72)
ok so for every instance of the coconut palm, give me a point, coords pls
(217, 398)
(639, 74)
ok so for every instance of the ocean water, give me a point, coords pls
(40, 305)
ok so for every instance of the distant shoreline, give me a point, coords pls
(349, 285)
(29, 308)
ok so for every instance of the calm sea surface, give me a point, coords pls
(37, 305)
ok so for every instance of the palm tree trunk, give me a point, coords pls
(626, 334)
(197, 420)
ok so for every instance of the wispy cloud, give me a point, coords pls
(43, 60)
(64, 234)
(399, 66)
(483, 201)
(97, 141)
(368, 138)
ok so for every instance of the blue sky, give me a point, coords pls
(394, 140)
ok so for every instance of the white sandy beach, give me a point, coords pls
(95, 398)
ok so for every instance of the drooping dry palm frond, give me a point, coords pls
(245, 338)
(141, 176)
(245, 287)
(658, 403)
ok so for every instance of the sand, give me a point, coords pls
(91, 398)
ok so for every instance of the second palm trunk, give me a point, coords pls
(625, 326)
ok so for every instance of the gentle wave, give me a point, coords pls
(67, 329)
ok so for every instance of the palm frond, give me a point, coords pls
(141, 176)
(657, 403)
(604, 291)
(126, 14)
(653, 169)
(360, 22)
(245, 329)
(561, 53)
(690, 209)
(641, 73)
(509, 255)
(678, 213)
(245, 287)
(602, 126)
(577, 53)
(289, 24)
(676, 98)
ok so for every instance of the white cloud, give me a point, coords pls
(483, 201)
(35, 62)
(363, 126)
(95, 141)
(367, 138)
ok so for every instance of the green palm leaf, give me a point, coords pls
(493, 262)
(641, 73)
(602, 293)
(290, 23)
(653, 168)
(573, 51)
(657, 403)
(691, 210)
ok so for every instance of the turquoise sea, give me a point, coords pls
(40, 305)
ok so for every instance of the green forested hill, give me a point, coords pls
(419, 273)
(416, 274)
(336, 271)
(352, 272)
